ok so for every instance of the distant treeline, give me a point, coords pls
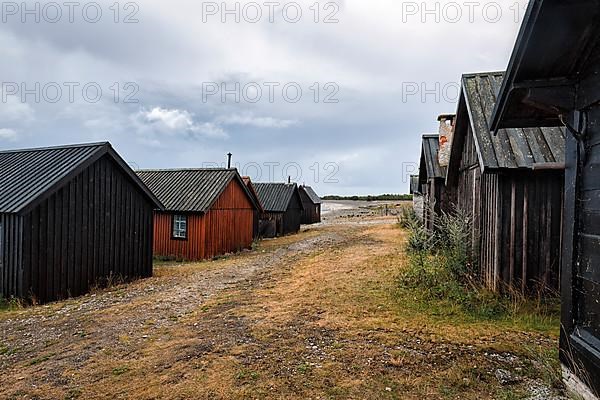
(383, 197)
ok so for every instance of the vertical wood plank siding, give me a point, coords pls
(99, 225)
(292, 218)
(227, 227)
(11, 253)
(436, 201)
(311, 213)
(229, 223)
(517, 222)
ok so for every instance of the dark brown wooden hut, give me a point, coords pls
(282, 208)
(208, 212)
(553, 79)
(432, 180)
(512, 185)
(259, 211)
(71, 217)
(311, 203)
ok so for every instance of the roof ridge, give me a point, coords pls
(276, 183)
(66, 146)
(186, 169)
(488, 73)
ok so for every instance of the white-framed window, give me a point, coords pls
(179, 226)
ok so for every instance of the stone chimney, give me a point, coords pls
(446, 134)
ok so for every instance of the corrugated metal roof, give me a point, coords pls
(275, 197)
(510, 148)
(27, 174)
(191, 190)
(311, 194)
(430, 149)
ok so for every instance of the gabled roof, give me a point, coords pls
(29, 176)
(252, 190)
(511, 148)
(314, 198)
(190, 190)
(275, 197)
(556, 39)
(430, 166)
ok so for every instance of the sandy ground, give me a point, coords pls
(309, 316)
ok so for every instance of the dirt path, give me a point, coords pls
(307, 316)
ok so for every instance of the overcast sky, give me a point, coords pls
(339, 94)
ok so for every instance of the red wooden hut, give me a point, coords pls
(208, 212)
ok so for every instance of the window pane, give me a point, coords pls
(180, 226)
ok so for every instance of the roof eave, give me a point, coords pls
(531, 15)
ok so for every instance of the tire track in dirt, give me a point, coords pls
(40, 343)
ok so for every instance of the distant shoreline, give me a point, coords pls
(382, 197)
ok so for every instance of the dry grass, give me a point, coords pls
(320, 322)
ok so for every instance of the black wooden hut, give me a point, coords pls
(511, 185)
(311, 203)
(432, 180)
(282, 207)
(553, 79)
(71, 217)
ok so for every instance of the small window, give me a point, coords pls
(179, 227)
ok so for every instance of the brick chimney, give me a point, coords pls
(446, 133)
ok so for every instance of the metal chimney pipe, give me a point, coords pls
(289, 179)
(229, 160)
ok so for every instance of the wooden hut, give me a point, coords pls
(208, 212)
(552, 80)
(432, 180)
(512, 185)
(259, 211)
(415, 191)
(282, 208)
(311, 203)
(71, 217)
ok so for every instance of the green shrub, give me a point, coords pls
(408, 217)
(454, 239)
(441, 276)
(10, 304)
(442, 267)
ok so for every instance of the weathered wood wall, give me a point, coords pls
(435, 202)
(418, 205)
(517, 217)
(467, 194)
(227, 227)
(97, 226)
